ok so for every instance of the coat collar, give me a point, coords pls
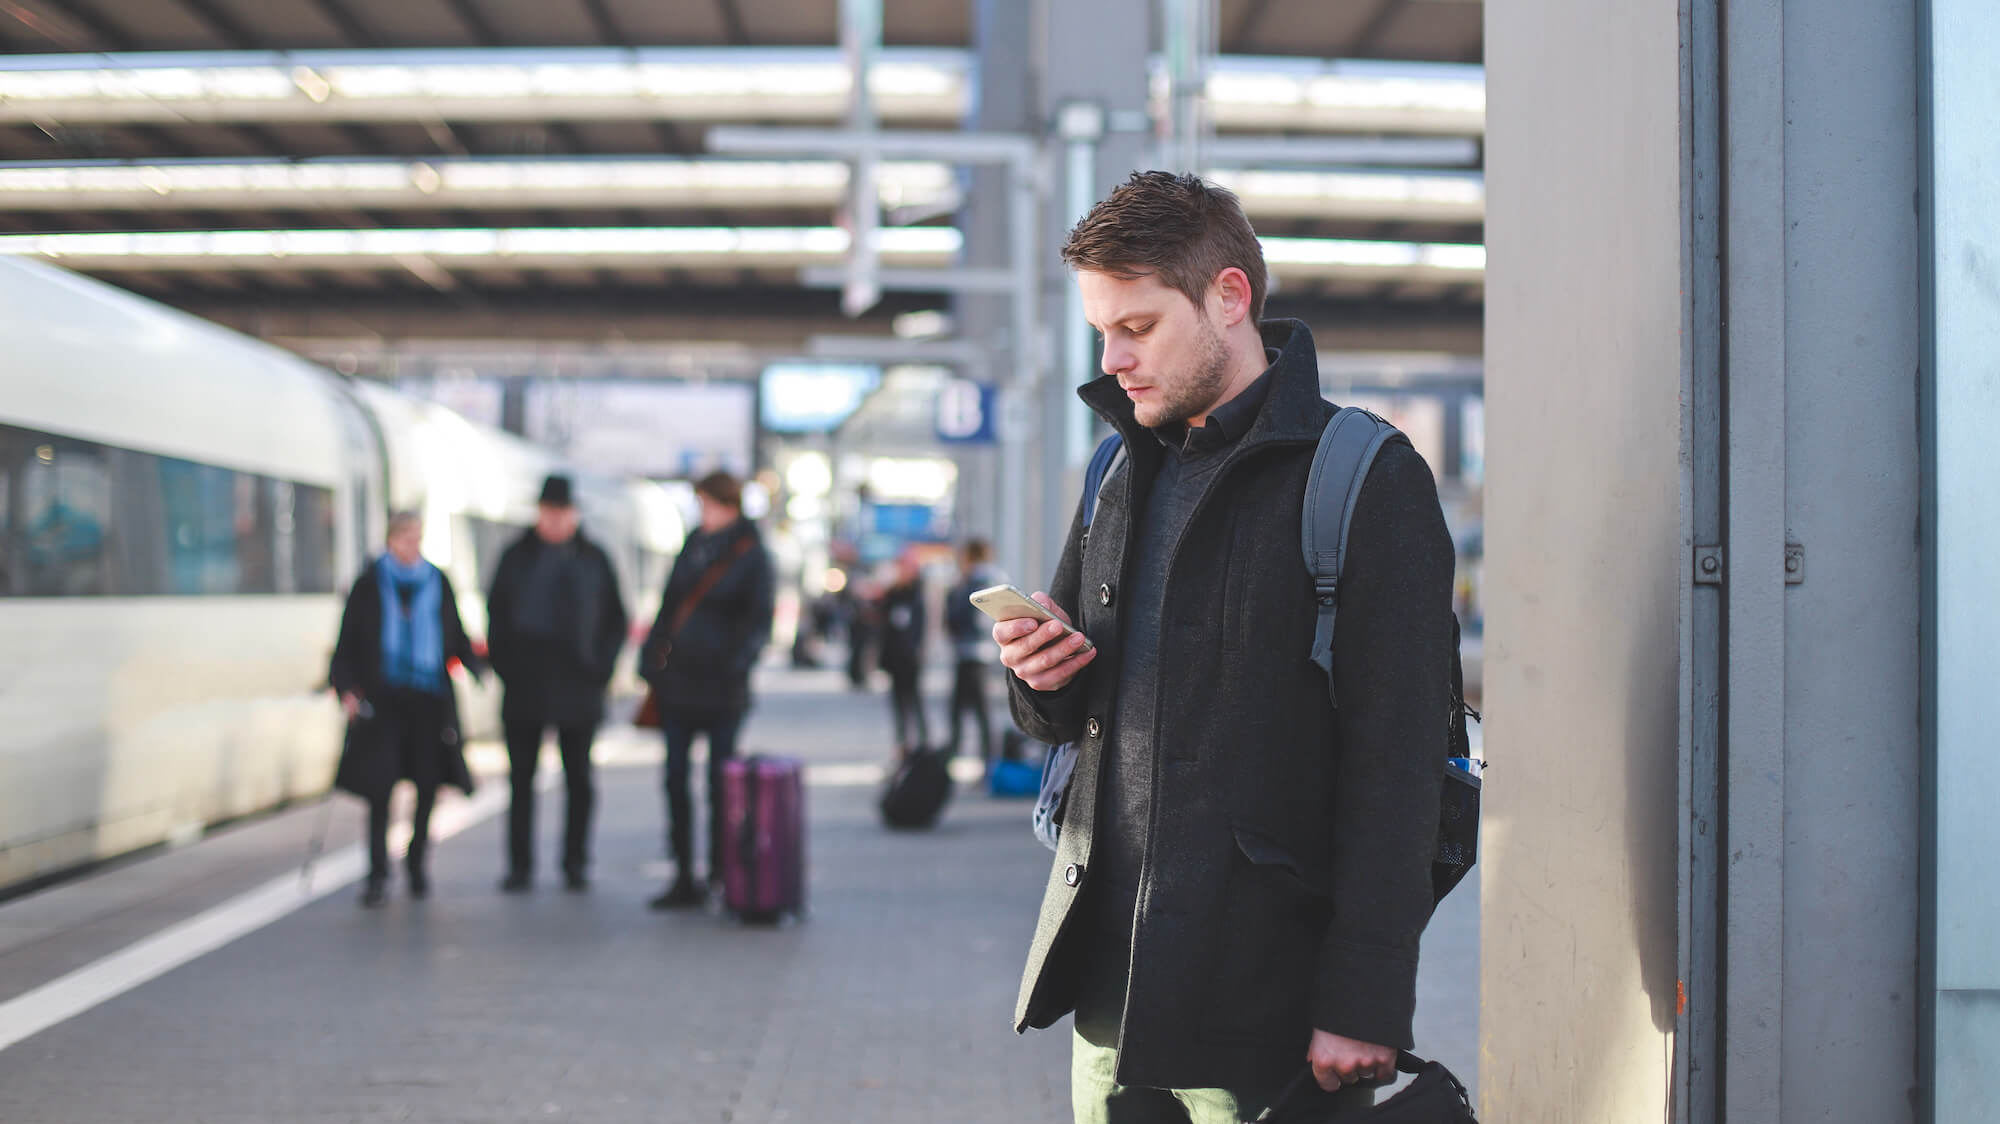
(1293, 409)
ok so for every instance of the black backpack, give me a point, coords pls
(917, 791)
(1347, 449)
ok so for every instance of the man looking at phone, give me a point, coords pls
(1244, 871)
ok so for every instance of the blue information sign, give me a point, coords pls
(966, 412)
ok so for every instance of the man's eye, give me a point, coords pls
(1142, 330)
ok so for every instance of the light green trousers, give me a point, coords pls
(1097, 1098)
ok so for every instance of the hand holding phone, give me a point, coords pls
(1037, 642)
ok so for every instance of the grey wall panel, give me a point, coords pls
(1964, 214)
(1584, 558)
(1851, 628)
(1968, 1024)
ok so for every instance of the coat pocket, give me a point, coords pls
(1275, 908)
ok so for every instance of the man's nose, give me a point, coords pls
(1117, 358)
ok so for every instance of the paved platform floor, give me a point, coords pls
(890, 1003)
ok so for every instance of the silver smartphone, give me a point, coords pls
(1008, 603)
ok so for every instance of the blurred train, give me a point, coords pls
(182, 510)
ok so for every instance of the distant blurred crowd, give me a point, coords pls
(884, 619)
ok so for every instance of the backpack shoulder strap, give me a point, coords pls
(1347, 448)
(1103, 463)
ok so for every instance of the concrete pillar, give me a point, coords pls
(1585, 436)
(1703, 575)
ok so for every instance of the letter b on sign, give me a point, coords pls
(965, 412)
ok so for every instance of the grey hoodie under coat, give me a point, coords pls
(1285, 866)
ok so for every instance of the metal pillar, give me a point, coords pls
(860, 41)
(1094, 61)
(1959, 979)
(1754, 274)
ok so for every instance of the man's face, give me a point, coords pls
(555, 524)
(1164, 350)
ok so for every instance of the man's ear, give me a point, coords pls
(1231, 291)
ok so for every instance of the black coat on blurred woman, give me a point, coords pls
(715, 618)
(398, 636)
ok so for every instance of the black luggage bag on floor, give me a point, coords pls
(917, 792)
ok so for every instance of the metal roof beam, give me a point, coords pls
(1370, 36)
(343, 20)
(732, 21)
(1252, 16)
(92, 21)
(222, 23)
(474, 21)
(605, 23)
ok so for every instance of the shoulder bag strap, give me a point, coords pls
(709, 579)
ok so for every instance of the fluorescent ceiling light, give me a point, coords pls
(656, 247)
(1304, 255)
(787, 84)
(610, 182)
(1366, 195)
(707, 84)
(674, 247)
(700, 183)
(1342, 96)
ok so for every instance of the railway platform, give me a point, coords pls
(212, 983)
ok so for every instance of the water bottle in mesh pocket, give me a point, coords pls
(1458, 827)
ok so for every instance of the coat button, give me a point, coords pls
(1104, 595)
(1073, 875)
(1093, 727)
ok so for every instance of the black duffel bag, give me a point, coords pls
(1435, 1097)
(917, 792)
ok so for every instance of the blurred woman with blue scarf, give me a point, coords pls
(397, 637)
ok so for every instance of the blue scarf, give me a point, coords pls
(412, 640)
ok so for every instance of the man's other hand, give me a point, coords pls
(1338, 1061)
(1043, 654)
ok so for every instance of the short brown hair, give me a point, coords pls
(978, 551)
(722, 488)
(1180, 227)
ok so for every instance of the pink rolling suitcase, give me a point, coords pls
(763, 838)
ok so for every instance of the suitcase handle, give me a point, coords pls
(746, 833)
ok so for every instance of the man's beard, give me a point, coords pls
(1196, 392)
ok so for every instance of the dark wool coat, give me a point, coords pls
(1285, 872)
(560, 683)
(367, 768)
(707, 666)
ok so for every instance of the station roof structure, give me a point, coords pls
(322, 172)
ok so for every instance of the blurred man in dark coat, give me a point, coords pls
(556, 624)
(715, 618)
(972, 647)
(904, 625)
(398, 636)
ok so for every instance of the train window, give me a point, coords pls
(312, 539)
(78, 518)
(59, 509)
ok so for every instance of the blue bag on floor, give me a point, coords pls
(1014, 778)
